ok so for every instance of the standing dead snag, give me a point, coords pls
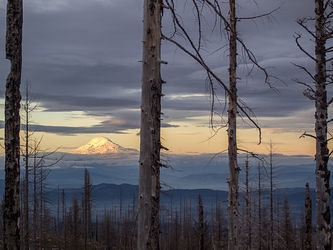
(308, 219)
(150, 145)
(235, 105)
(232, 138)
(322, 34)
(11, 214)
(28, 108)
(248, 206)
(271, 242)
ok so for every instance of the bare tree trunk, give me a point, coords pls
(64, 227)
(58, 220)
(11, 214)
(232, 138)
(35, 204)
(149, 180)
(308, 219)
(248, 205)
(41, 208)
(26, 180)
(322, 154)
(259, 207)
(271, 195)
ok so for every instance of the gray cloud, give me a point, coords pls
(85, 58)
(116, 126)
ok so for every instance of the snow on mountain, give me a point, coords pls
(102, 146)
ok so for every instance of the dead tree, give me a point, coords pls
(259, 208)
(235, 105)
(64, 227)
(271, 198)
(317, 92)
(248, 206)
(11, 213)
(26, 177)
(28, 107)
(232, 128)
(35, 202)
(150, 145)
(308, 219)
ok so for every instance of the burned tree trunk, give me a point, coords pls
(308, 219)
(259, 209)
(35, 208)
(232, 139)
(248, 205)
(11, 214)
(271, 243)
(322, 173)
(322, 34)
(26, 177)
(149, 177)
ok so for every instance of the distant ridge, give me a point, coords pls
(102, 146)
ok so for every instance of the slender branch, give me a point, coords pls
(302, 22)
(259, 16)
(305, 69)
(297, 37)
(308, 135)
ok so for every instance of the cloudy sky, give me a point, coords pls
(81, 58)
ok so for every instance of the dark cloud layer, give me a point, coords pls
(107, 126)
(84, 56)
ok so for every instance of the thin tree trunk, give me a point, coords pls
(35, 204)
(232, 138)
(149, 180)
(64, 228)
(322, 154)
(26, 186)
(248, 205)
(58, 220)
(41, 208)
(271, 196)
(259, 206)
(308, 219)
(11, 213)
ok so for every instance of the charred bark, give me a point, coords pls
(150, 145)
(232, 138)
(322, 154)
(11, 214)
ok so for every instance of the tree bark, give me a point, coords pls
(11, 214)
(149, 179)
(323, 226)
(232, 139)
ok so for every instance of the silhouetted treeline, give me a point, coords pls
(184, 225)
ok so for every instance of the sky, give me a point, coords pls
(82, 61)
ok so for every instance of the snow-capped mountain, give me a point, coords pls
(102, 146)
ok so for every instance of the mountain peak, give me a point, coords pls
(102, 146)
